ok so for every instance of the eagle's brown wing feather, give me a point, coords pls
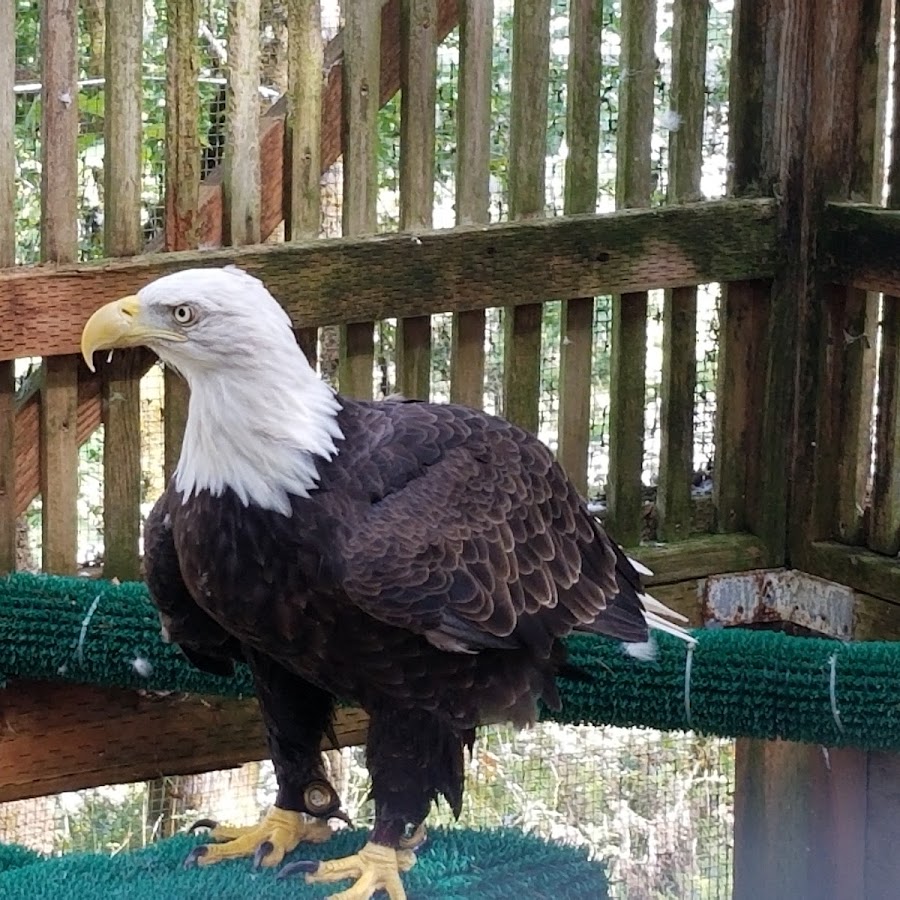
(206, 644)
(483, 543)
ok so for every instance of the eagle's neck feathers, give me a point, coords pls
(258, 428)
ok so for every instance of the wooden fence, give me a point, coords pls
(807, 472)
(516, 265)
(353, 282)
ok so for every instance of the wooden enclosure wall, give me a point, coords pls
(841, 491)
(271, 173)
(807, 472)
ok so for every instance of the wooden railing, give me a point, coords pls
(348, 281)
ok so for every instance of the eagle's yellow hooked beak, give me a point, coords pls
(119, 324)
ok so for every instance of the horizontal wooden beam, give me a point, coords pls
(699, 557)
(348, 280)
(860, 247)
(66, 737)
(860, 569)
(875, 619)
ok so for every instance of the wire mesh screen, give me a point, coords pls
(212, 44)
(655, 807)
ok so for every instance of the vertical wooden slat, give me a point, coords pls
(418, 64)
(857, 311)
(679, 369)
(124, 102)
(473, 193)
(241, 160)
(362, 63)
(577, 316)
(303, 213)
(629, 313)
(859, 321)
(59, 242)
(7, 465)
(881, 829)
(788, 143)
(175, 410)
(305, 77)
(7, 258)
(884, 534)
(834, 167)
(527, 161)
(182, 180)
(740, 378)
(744, 306)
(182, 118)
(122, 237)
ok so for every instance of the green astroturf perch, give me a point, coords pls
(490, 864)
(734, 682)
(424, 561)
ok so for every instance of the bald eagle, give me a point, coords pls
(422, 560)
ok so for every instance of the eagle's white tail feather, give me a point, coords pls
(657, 615)
(660, 624)
(639, 567)
(651, 604)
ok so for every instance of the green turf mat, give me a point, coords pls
(456, 864)
(736, 683)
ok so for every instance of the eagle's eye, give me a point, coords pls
(183, 315)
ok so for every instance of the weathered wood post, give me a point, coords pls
(804, 111)
(7, 258)
(59, 243)
(123, 237)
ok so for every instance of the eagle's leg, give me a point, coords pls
(413, 758)
(296, 715)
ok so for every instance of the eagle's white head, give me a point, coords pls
(259, 414)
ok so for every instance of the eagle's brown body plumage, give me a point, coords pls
(433, 571)
(421, 560)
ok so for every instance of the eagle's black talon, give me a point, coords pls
(301, 867)
(262, 851)
(340, 814)
(192, 859)
(202, 823)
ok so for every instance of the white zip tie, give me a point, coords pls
(832, 689)
(688, 665)
(79, 651)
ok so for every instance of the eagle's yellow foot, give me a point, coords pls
(267, 842)
(375, 868)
